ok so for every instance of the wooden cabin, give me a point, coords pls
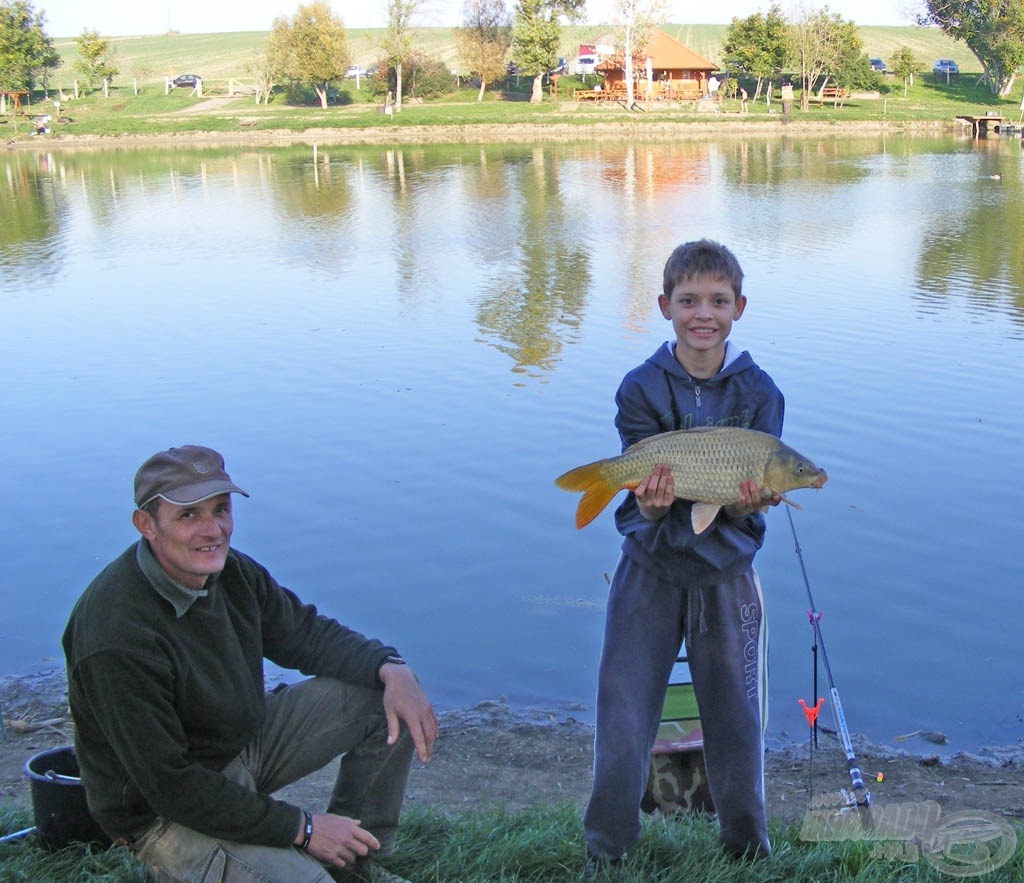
(677, 74)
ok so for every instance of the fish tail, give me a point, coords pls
(597, 492)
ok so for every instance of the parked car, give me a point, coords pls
(877, 65)
(560, 68)
(945, 66)
(186, 81)
(586, 64)
(354, 70)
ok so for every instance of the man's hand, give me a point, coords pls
(339, 840)
(404, 700)
(656, 493)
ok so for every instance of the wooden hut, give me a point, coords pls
(676, 72)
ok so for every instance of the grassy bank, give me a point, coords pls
(544, 844)
(141, 108)
(152, 113)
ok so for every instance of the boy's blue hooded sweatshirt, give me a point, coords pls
(659, 396)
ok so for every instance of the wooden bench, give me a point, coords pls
(835, 94)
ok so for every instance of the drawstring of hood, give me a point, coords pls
(732, 353)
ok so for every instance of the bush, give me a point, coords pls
(421, 78)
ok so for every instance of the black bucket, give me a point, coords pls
(58, 800)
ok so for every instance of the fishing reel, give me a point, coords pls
(855, 799)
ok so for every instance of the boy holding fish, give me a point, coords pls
(675, 583)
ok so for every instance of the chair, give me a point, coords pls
(678, 781)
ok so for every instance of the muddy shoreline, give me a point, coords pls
(490, 755)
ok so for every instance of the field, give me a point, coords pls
(220, 56)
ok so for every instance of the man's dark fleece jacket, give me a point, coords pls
(166, 687)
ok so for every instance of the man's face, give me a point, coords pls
(190, 542)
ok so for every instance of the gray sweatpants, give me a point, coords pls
(307, 725)
(726, 646)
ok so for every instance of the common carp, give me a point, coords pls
(708, 464)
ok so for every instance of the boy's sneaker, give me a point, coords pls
(365, 870)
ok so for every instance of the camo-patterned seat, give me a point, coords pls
(677, 781)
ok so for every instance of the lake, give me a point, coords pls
(398, 349)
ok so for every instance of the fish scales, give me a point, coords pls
(707, 465)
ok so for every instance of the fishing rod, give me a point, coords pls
(860, 795)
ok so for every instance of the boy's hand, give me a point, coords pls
(656, 493)
(750, 500)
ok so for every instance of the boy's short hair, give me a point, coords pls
(703, 257)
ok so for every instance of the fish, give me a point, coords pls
(708, 464)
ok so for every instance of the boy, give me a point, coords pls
(671, 584)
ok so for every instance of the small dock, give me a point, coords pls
(984, 126)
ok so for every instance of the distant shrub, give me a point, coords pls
(421, 78)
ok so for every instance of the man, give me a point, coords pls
(178, 744)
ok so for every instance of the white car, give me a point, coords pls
(586, 64)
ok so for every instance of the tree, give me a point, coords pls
(483, 39)
(904, 65)
(259, 67)
(96, 62)
(26, 51)
(820, 41)
(758, 46)
(140, 73)
(398, 39)
(992, 29)
(311, 47)
(537, 35)
(636, 21)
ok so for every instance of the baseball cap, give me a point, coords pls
(185, 475)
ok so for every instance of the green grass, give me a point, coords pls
(153, 113)
(544, 845)
(217, 57)
(220, 58)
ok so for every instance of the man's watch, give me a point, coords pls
(392, 660)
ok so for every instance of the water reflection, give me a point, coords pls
(31, 210)
(529, 214)
(535, 293)
(972, 248)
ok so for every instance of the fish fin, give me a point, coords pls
(597, 493)
(789, 502)
(702, 514)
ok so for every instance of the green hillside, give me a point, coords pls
(219, 56)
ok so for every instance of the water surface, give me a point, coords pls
(398, 349)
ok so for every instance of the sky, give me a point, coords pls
(118, 18)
